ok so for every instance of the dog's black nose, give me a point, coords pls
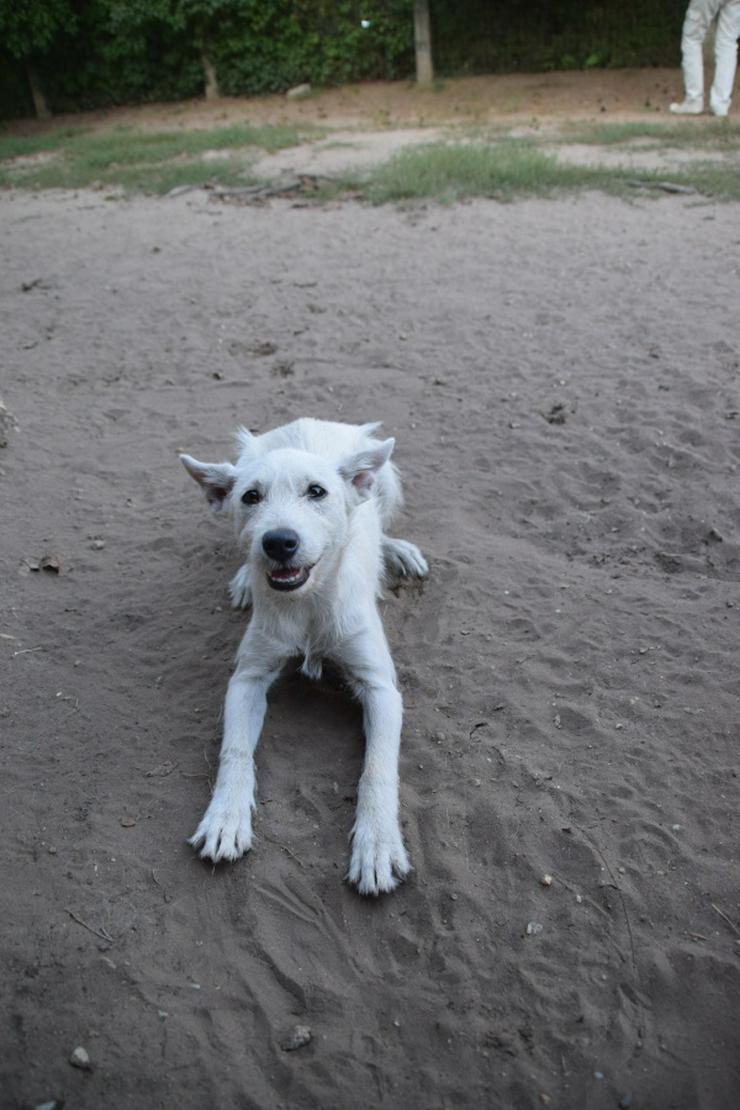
(281, 544)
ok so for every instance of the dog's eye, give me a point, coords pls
(251, 497)
(315, 491)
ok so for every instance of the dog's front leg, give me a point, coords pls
(378, 858)
(226, 829)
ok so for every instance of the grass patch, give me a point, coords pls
(138, 161)
(683, 133)
(448, 172)
(712, 179)
(502, 167)
(24, 146)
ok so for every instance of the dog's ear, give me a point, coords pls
(215, 479)
(245, 441)
(360, 469)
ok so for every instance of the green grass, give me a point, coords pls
(499, 166)
(712, 179)
(681, 133)
(17, 146)
(138, 161)
(448, 172)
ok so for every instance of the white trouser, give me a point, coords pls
(696, 24)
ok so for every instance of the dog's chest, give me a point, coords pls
(312, 665)
(313, 638)
(318, 643)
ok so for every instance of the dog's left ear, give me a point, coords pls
(215, 479)
(360, 469)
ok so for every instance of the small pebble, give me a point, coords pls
(546, 880)
(80, 1059)
(299, 1036)
(625, 1102)
(97, 545)
(534, 928)
(598, 1075)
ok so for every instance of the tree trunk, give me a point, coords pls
(212, 90)
(40, 106)
(423, 43)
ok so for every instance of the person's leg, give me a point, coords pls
(698, 18)
(725, 58)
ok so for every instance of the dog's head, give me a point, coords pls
(290, 508)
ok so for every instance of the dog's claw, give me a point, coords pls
(403, 559)
(223, 835)
(378, 861)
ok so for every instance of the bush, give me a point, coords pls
(108, 52)
(471, 36)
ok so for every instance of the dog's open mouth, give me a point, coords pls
(288, 578)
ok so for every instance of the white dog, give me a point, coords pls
(309, 502)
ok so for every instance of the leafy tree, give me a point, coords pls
(198, 20)
(203, 19)
(27, 30)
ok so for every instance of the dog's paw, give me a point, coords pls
(403, 559)
(378, 861)
(225, 833)
(240, 588)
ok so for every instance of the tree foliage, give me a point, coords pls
(91, 53)
(475, 37)
(31, 26)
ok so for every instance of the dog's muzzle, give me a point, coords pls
(281, 546)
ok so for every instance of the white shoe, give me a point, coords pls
(687, 108)
(721, 113)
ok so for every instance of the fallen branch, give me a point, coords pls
(98, 932)
(664, 187)
(724, 917)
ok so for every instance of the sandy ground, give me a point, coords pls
(562, 379)
(543, 98)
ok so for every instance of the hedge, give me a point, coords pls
(131, 51)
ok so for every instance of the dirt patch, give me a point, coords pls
(614, 94)
(562, 380)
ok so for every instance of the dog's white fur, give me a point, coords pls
(333, 614)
